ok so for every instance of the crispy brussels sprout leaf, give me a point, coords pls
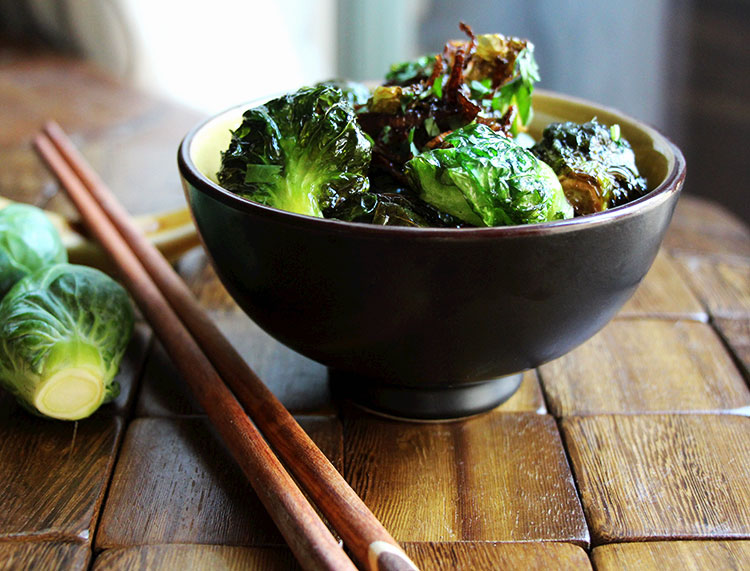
(408, 72)
(595, 165)
(487, 179)
(28, 241)
(63, 332)
(354, 92)
(303, 152)
(501, 76)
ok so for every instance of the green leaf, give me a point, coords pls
(431, 127)
(303, 152)
(409, 71)
(487, 179)
(28, 241)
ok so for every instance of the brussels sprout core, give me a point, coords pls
(72, 385)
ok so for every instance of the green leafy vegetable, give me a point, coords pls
(28, 241)
(354, 92)
(410, 71)
(303, 152)
(496, 53)
(487, 179)
(595, 165)
(63, 332)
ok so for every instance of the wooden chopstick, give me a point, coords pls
(308, 537)
(368, 541)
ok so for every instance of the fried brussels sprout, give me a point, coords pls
(595, 165)
(354, 92)
(28, 241)
(303, 152)
(486, 179)
(63, 333)
(407, 72)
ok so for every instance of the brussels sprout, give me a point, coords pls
(487, 179)
(354, 92)
(494, 52)
(595, 165)
(28, 241)
(63, 332)
(410, 71)
(303, 152)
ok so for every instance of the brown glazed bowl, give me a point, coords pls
(432, 323)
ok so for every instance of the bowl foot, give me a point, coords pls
(424, 403)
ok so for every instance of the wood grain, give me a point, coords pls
(684, 555)
(705, 228)
(175, 483)
(528, 397)
(496, 477)
(722, 286)
(54, 475)
(196, 558)
(429, 556)
(736, 333)
(650, 477)
(44, 555)
(463, 556)
(664, 294)
(646, 366)
(300, 384)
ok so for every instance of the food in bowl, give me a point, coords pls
(442, 143)
(432, 322)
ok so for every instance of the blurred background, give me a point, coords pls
(680, 65)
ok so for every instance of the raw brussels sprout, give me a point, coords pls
(487, 179)
(303, 152)
(28, 241)
(595, 165)
(63, 332)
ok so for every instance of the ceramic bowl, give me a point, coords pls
(428, 322)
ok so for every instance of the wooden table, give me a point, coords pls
(624, 452)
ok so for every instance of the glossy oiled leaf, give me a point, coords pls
(487, 179)
(303, 152)
(595, 165)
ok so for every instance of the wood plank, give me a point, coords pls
(469, 556)
(35, 89)
(299, 383)
(122, 153)
(428, 556)
(76, 93)
(496, 477)
(528, 397)
(736, 333)
(684, 555)
(196, 558)
(651, 477)
(646, 366)
(664, 294)
(54, 475)
(44, 555)
(176, 483)
(722, 286)
(704, 228)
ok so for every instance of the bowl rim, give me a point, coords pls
(670, 185)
